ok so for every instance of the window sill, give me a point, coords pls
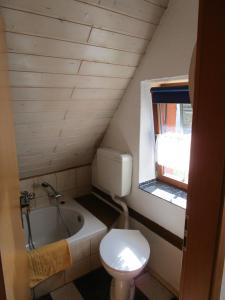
(165, 191)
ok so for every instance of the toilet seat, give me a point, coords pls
(124, 250)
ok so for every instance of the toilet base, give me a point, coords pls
(122, 289)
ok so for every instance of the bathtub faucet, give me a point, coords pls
(25, 198)
(52, 193)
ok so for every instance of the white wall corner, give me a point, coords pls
(147, 136)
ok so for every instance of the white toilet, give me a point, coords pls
(123, 252)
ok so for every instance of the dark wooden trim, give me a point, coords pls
(178, 184)
(170, 84)
(154, 227)
(206, 177)
(2, 285)
(219, 260)
(156, 118)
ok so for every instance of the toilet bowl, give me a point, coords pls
(124, 253)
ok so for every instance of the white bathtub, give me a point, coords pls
(47, 225)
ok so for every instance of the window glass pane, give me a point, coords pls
(175, 118)
(174, 140)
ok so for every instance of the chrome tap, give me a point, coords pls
(25, 198)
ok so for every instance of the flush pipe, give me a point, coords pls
(120, 202)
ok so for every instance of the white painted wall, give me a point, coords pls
(168, 55)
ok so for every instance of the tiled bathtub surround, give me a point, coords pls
(83, 247)
(70, 183)
(87, 259)
(75, 182)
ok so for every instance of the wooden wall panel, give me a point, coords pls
(29, 79)
(162, 3)
(92, 105)
(48, 47)
(40, 106)
(67, 145)
(70, 63)
(82, 13)
(118, 41)
(26, 132)
(109, 94)
(38, 117)
(139, 9)
(33, 63)
(40, 93)
(75, 128)
(31, 24)
(22, 22)
(100, 69)
(44, 145)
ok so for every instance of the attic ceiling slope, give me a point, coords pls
(70, 63)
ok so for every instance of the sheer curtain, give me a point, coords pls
(173, 150)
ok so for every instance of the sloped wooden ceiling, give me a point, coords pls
(70, 63)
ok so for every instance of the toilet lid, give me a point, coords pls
(124, 250)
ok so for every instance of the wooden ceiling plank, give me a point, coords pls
(29, 79)
(38, 117)
(42, 26)
(25, 44)
(93, 94)
(69, 67)
(84, 14)
(39, 106)
(33, 63)
(118, 41)
(101, 69)
(139, 9)
(28, 23)
(37, 93)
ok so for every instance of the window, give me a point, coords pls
(173, 121)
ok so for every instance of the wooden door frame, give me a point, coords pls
(2, 285)
(205, 236)
(219, 260)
